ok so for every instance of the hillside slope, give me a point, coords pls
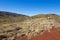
(31, 28)
(9, 17)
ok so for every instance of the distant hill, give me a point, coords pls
(45, 15)
(3, 13)
(9, 17)
(53, 16)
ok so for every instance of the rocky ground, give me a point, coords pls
(30, 29)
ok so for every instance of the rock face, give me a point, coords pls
(31, 29)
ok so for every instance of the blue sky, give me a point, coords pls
(30, 7)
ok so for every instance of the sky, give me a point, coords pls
(31, 7)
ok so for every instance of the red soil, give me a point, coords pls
(54, 34)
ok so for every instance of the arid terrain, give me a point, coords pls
(21, 27)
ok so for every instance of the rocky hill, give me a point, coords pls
(31, 28)
(9, 17)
